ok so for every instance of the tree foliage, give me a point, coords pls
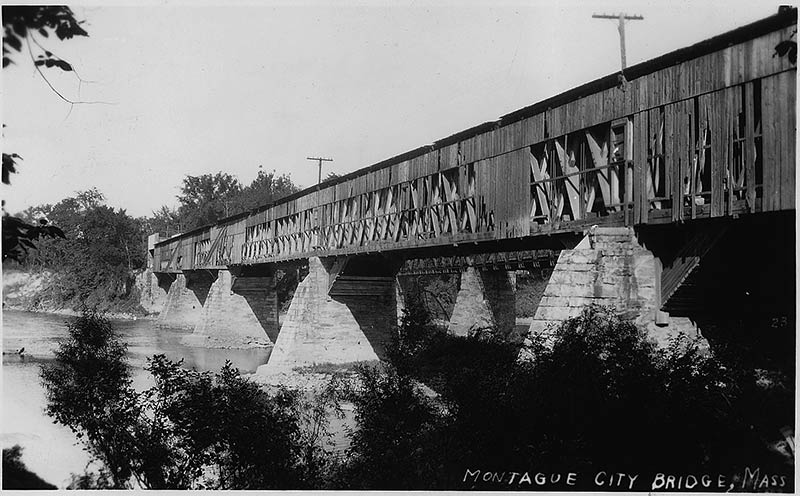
(19, 21)
(16, 475)
(208, 198)
(22, 22)
(190, 430)
(92, 263)
(598, 398)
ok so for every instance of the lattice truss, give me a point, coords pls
(435, 205)
(686, 146)
(586, 172)
(590, 173)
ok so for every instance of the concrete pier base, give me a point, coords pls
(322, 328)
(183, 308)
(485, 300)
(239, 312)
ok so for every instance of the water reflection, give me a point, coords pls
(51, 450)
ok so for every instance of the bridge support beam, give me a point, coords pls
(183, 308)
(485, 300)
(241, 311)
(608, 267)
(334, 319)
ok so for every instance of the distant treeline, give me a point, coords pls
(94, 264)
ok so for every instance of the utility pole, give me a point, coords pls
(320, 160)
(622, 17)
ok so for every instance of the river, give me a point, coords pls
(51, 450)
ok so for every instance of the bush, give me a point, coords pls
(191, 430)
(602, 397)
(396, 445)
(16, 475)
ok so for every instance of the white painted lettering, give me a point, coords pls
(599, 479)
(658, 482)
(471, 473)
(750, 477)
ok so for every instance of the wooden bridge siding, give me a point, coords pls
(501, 166)
(778, 117)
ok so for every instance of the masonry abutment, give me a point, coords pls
(239, 312)
(485, 300)
(350, 326)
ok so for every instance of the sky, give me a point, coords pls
(176, 89)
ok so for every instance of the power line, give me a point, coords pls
(320, 160)
(622, 17)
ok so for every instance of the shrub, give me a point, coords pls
(602, 397)
(191, 430)
(396, 443)
(16, 475)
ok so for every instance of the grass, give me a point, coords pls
(332, 368)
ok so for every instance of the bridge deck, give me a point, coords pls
(707, 131)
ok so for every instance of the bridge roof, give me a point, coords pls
(785, 17)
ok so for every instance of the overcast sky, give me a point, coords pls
(191, 90)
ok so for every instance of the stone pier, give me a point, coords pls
(485, 300)
(239, 312)
(334, 319)
(608, 267)
(183, 308)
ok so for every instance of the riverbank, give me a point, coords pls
(35, 292)
(74, 313)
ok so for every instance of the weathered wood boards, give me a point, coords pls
(703, 136)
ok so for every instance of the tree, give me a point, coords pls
(207, 198)
(92, 266)
(266, 188)
(21, 23)
(165, 220)
(89, 390)
(190, 430)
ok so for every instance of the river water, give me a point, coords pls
(51, 450)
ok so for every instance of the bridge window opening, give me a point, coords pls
(757, 138)
(569, 183)
(658, 197)
(540, 186)
(468, 214)
(736, 174)
(698, 182)
(602, 177)
(620, 161)
(703, 171)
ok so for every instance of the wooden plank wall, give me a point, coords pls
(779, 127)
(500, 160)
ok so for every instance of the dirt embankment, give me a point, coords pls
(35, 292)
